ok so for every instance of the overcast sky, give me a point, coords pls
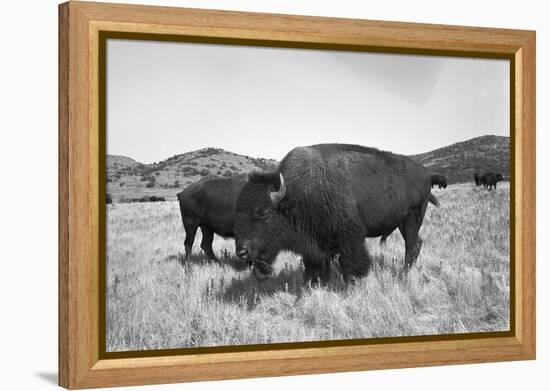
(169, 98)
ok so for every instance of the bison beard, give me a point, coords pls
(325, 200)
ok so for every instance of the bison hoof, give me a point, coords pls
(317, 282)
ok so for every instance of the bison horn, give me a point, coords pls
(277, 196)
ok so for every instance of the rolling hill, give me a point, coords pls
(458, 162)
(128, 179)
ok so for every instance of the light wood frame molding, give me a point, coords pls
(80, 24)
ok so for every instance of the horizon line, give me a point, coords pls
(226, 150)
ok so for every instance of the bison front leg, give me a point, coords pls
(354, 260)
(316, 272)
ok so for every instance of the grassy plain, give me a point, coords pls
(459, 284)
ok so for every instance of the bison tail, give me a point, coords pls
(433, 200)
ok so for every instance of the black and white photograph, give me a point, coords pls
(267, 195)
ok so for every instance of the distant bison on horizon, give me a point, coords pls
(477, 179)
(490, 180)
(438, 180)
(209, 204)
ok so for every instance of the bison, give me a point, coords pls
(490, 180)
(477, 179)
(438, 180)
(323, 201)
(210, 205)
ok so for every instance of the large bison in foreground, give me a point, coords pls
(210, 205)
(325, 200)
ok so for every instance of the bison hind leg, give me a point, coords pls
(409, 229)
(417, 248)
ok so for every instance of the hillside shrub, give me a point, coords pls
(190, 171)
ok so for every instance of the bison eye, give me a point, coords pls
(261, 213)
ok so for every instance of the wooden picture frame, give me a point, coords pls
(81, 198)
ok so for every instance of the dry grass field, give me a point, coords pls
(459, 284)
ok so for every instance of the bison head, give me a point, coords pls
(499, 177)
(260, 223)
